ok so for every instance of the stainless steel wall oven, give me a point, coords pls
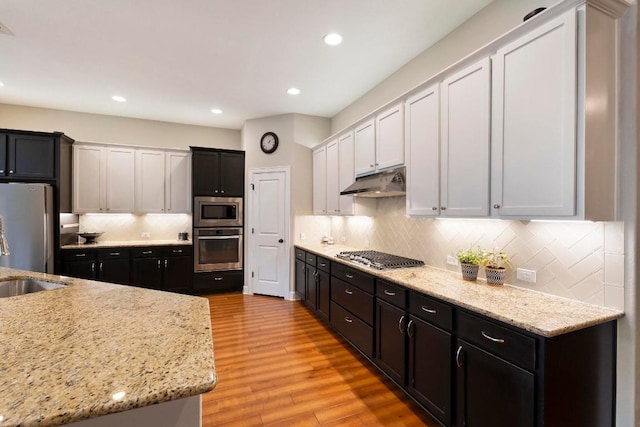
(217, 248)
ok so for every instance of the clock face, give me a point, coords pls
(269, 142)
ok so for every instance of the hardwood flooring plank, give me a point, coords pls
(278, 365)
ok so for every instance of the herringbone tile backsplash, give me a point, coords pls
(118, 227)
(577, 260)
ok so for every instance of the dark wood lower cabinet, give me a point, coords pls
(430, 375)
(147, 272)
(218, 281)
(312, 288)
(301, 279)
(391, 341)
(491, 391)
(324, 294)
(114, 270)
(80, 269)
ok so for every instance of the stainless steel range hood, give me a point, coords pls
(383, 184)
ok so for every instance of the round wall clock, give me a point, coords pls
(269, 142)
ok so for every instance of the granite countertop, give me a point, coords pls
(543, 314)
(128, 243)
(93, 348)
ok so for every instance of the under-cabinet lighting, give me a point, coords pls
(110, 215)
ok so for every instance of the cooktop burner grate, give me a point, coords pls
(379, 260)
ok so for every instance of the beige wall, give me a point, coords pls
(491, 22)
(116, 130)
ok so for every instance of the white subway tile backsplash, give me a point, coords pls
(614, 297)
(571, 258)
(119, 227)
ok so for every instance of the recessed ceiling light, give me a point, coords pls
(119, 98)
(332, 39)
(216, 111)
(293, 91)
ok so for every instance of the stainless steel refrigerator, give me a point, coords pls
(27, 210)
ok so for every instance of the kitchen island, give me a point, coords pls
(93, 350)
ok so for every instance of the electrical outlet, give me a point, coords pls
(146, 234)
(451, 260)
(526, 275)
(303, 236)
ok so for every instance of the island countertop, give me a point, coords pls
(543, 314)
(92, 348)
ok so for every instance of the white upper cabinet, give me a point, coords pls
(163, 181)
(534, 122)
(103, 179)
(346, 171)
(150, 181)
(332, 178)
(464, 145)
(320, 181)
(177, 182)
(390, 138)
(365, 148)
(422, 148)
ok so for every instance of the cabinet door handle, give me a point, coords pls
(100, 267)
(11, 172)
(409, 328)
(496, 206)
(158, 263)
(490, 338)
(370, 166)
(348, 276)
(348, 292)
(391, 294)
(348, 320)
(458, 361)
(93, 267)
(443, 208)
(1, 170)
(428, 310)
(166, 262)
(222, 191)
(434, 208)
(401, 324)
(304, 268)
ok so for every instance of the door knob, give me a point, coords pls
(281, 241)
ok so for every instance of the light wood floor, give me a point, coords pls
(277, 364)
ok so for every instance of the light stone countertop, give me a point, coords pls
(65, 353)
(543, 314)
(127, 243)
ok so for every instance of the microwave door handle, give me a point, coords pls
(217, 237)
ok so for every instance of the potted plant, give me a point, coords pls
(495, 263)
(470, 260)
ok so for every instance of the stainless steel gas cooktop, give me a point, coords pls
(379, 260)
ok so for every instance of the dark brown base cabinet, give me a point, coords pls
(218, 281)
(107, 265)
(301, 280)
(466, 369)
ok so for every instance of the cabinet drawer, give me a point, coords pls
(146, 252)
(221, 281)
(499, 340)
(310, 259)
(431, 310)
(79, 255)
(353, 299)
(393, 294)
(323, 264)
(353, 277)
(300, 254)
(113, 253)
(177, 250)
(355, 330)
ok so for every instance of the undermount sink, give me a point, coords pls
(12, 288)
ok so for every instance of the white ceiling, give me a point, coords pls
(175, 60)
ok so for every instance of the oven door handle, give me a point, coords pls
(217, 237)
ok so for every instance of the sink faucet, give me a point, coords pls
(4, 246)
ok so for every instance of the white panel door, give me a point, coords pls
(346, 171)
(150, 181)
(89, 178)
(320, 181)
(120, 180)
(422, 139)
(534, 122)
(177, 182)
(333, 179)
(270, 265)
(365, 148)
(390, 138)
(464, 166)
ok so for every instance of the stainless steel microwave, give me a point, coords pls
(217, 211)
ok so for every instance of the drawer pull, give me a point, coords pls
(81, 255)
(177, 251)
(401, 324)
(348, 320)
(391, 294)
(217, 279)
(114, 253)
(323, 265)
(147, 252)
(458, 362)
(409, 328)
(428, 310)
(348, 276)
(348, 291)
(490, 338)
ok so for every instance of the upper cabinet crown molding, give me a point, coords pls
(613, 8)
